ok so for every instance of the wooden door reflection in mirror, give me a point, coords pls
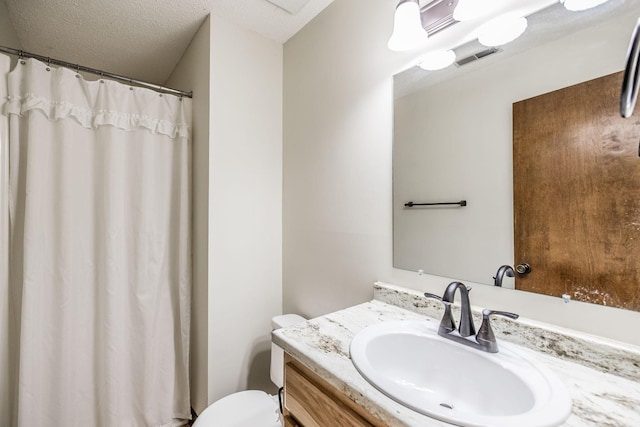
(576, 175)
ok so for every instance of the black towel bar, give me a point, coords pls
(460, 203)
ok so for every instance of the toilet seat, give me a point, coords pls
(251, 408)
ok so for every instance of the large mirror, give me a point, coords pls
(453, 137)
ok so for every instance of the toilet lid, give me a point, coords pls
(252, 408)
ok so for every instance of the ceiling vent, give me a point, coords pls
(478, 55)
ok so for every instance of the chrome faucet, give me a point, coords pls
(502, 271)
(485, 339)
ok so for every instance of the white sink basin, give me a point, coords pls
(461, 385)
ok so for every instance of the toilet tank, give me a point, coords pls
(277, 353)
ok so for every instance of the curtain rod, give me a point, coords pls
(77, 67)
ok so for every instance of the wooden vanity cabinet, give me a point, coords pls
(309, 401)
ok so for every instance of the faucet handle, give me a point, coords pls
(485, 336)
(447, 324)
(436, 297)
(486, 313)
(432, 296)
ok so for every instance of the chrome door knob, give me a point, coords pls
(523, 268)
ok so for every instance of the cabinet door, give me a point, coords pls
(289, 421)
(313, 403)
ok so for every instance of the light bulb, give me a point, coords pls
(408, 32)
(437, 60)
(576, 5)
(501, 30)
(467, 10)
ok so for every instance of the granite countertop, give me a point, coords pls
(604, 386)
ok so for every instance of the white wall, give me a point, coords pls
(192, 74)
(236, 76)
(245, 206)
(337, 177)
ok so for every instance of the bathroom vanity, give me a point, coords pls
(323, 388)
(312, 401)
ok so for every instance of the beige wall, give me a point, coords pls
(192, 73)
(337, 151)
(337, 177)
(8, 36)
(236, 77)
(245, 206)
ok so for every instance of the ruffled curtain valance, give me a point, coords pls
(60, 93)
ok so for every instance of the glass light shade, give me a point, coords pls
(576, 5)
(408, 32)
(437, 60)
(467, 10)
(501, 30)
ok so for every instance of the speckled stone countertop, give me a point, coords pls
(602, 376)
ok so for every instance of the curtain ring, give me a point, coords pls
(48, 64)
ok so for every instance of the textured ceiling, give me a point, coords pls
(143, 39)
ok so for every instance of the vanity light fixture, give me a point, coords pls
(502, 30)
(493, 22)
(437, 60)
(413, 24)
(408, 32)
(577, 5)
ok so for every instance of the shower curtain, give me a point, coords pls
(99, 278)
(5, 386)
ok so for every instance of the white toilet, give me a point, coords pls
(252, 408)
